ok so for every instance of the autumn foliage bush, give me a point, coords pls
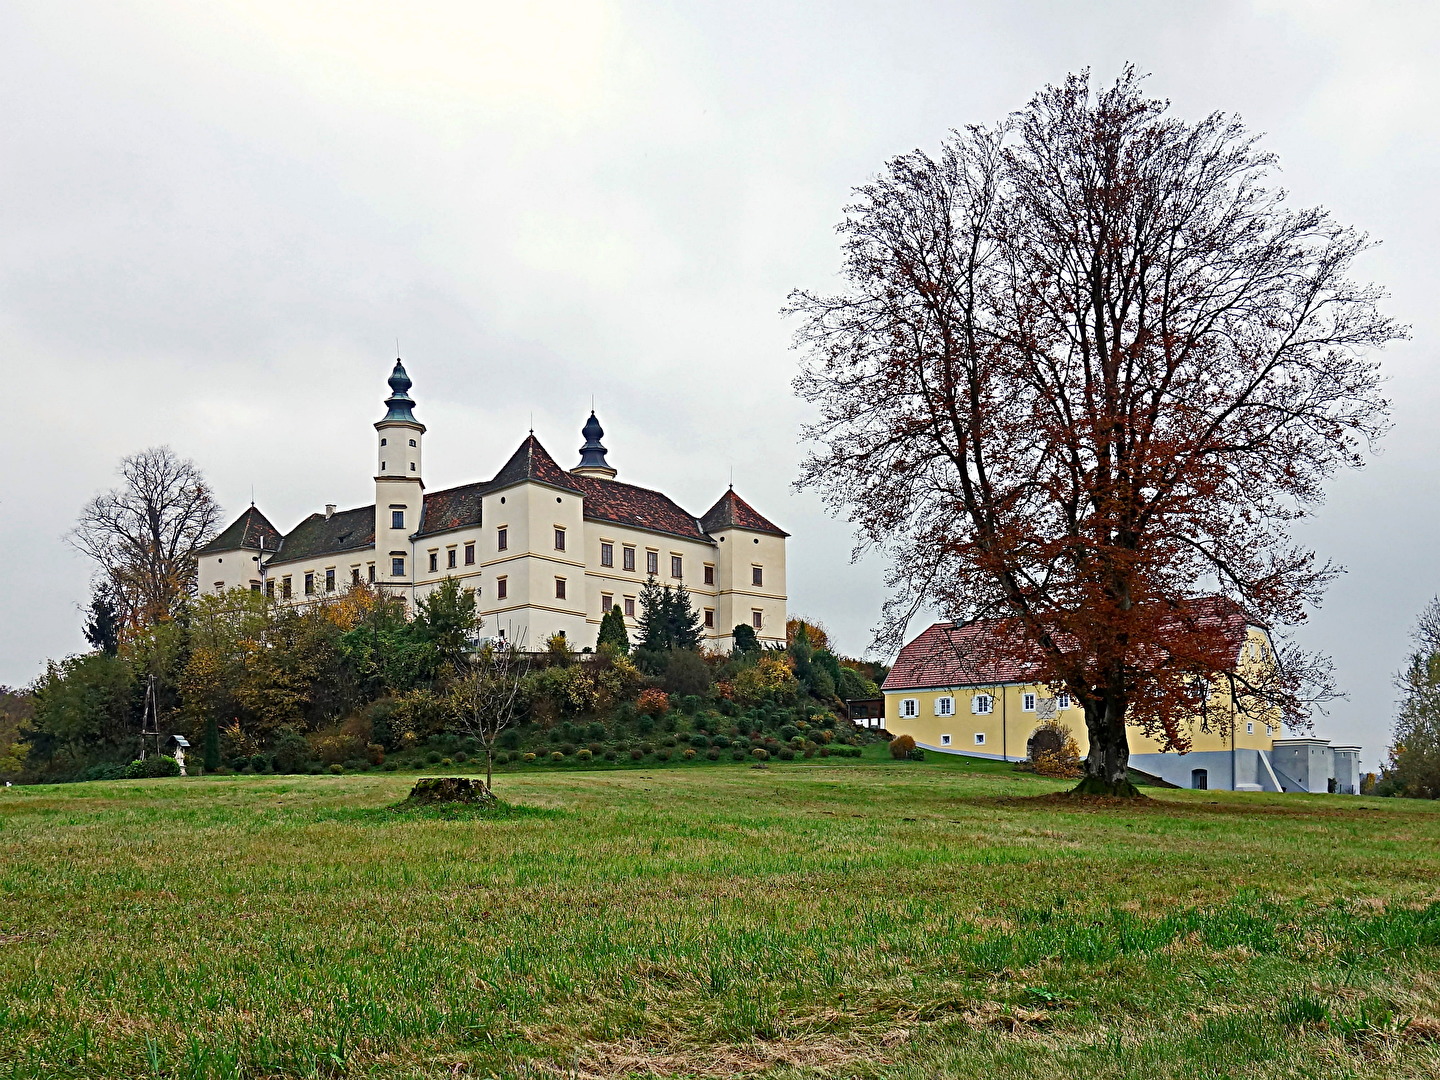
(653, 702)
(901, 746)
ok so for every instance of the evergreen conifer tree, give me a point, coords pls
(612, 632)
(654, 621)
(685, 628)
(745, 639)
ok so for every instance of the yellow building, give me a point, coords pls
(952, 690)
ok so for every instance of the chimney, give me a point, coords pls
(329, 511)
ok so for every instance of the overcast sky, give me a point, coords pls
(217, 219)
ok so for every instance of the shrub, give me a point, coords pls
(662, 754)
(337, 768)
(713, 754)
(584, 755)
(502, 758)
(156, 765)
(315, 768)
(824, 751)
(671, 741)
(446, 761)
(567, 749)
(637, 754)
(901, 746)
(375, 753)
(722, 741)
(433, 757)
(789, 732)
(557, 756)
(653, 702)
(690, 754)
(259, 762)
(528, 759)
(107, 770)
(915, 754)
(353, 765)
(700, 742)
(390, 766)
(462, 757)
(686, 675)
(647, 748)
(595, 730)
(611, 755)
(760, 753)
(737, 754)
(786, 754)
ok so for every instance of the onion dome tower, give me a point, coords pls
(592, 454)
(399, 490)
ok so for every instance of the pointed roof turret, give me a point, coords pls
(531, 461)
(251, 531)
(592, 454)
(400, 402)
(733, 512)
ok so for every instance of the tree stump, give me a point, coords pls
(466, 790)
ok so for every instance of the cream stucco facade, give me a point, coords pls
(546, 551)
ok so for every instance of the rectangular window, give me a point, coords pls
(285, 587)
(652, 563)
(397, 567)
(559, 539)
(370, 572)
(270, 589)
(945, 706)
(1063, 701)
(412, 442)
(944, 740)
(469, 554)
(354, 575)
(677, 565)
(254, 586)
(910, 707)
(757, 575)
(1249, 727)
(309, 583)
(329, 580)
(629, 556)
(709, 619)
(219, 586)
(450, 559)
(979, 738)
(629, 607)
(607, 554)
(756, 618)
(709, 575)
(397, 519)
(606, 603)
(502, 588)
(434, 561)
(1027, 703)
(502, 539)
(559, 588)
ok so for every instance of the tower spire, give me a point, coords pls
(399, 402)
(592, 454)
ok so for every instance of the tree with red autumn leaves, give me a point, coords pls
(1088, 368)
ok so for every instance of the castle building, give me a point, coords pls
(546, 551)
(954, 691)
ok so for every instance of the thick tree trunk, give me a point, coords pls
(1107, 765)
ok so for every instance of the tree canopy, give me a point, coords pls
(1089, 367)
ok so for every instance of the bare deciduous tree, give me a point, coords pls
(144, 534)
(1089, 368)
(485, 697)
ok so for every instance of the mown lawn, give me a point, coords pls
(868, 919)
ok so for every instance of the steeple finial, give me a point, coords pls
(592, 454)
(399, 402)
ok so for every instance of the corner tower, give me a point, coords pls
(399, 490)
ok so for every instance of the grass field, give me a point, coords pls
(862, 918)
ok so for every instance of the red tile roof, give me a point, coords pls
(626, 504)
(989, 652)
(733, 512)
(453, 508)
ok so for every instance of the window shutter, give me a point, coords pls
(975, 704)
